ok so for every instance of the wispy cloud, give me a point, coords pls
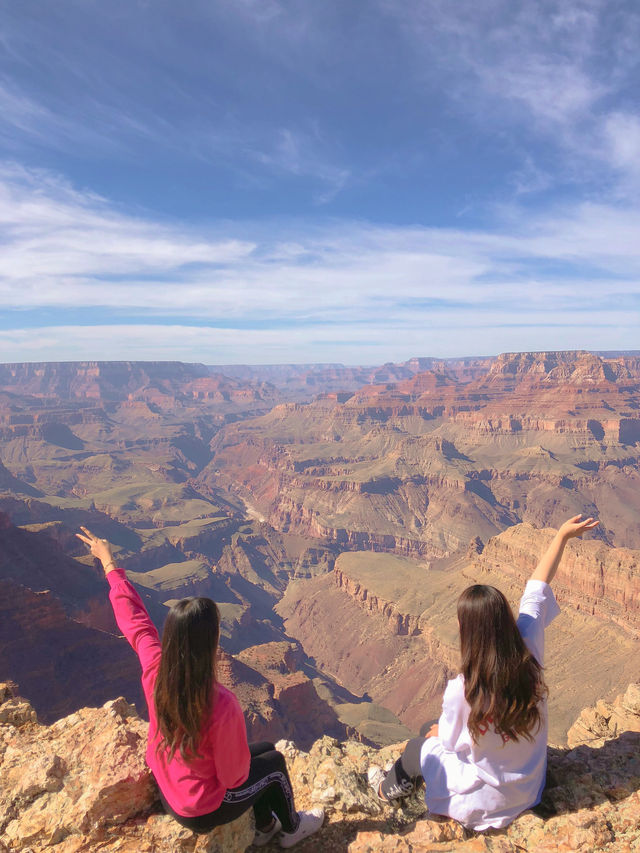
(79, 259)
(555, 69)
(326, 98)
(198, 102)
(300, 154)
(52, 229)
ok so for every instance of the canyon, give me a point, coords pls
(335, 514)
(403, 614)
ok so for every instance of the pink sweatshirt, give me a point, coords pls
(197, 787)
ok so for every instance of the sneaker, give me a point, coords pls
(310, 822)
(261, 838)
(376, 776)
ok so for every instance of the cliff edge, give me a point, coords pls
(81, 784)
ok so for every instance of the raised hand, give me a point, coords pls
(548, 565)
(100, 548)
(576, 526)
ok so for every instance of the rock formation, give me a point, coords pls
(607, 720)
(386, 624)
(244, 484)
(592, 578)
(279, 700)
(423, 465)
(82, 785)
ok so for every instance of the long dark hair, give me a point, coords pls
(186, 679)
(503, 682)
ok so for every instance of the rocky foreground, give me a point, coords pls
(81, 784)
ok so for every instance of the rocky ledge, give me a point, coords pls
(81, 784)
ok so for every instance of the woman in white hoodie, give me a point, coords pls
(485, 761)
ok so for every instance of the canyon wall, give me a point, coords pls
(234, 485)
(398, 623)
(111, 381)
(423, 465)
(592, 578)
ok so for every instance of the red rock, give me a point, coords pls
(592, 577)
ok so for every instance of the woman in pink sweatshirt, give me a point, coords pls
(197, 750)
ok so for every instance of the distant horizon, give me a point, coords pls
(311, 364)
(273, 182)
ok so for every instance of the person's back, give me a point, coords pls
(207, 773)
(485, 761)
(492, 738)
(196, 785)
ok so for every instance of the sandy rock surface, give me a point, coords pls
(82, 785)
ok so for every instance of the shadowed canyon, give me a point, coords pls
(334, 513)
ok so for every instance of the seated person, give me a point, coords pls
(206, 771)
(485, 761)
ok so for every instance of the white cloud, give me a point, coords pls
(622, 137)
(398, 339)
(558, 69)
(570, 278)
(52, 230)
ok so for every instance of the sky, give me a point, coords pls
(356, 181)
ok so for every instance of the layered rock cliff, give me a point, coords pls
(62, 663)
(593, 578)
(423, 465)
(82, 785)
(161, 383)
(386, 624)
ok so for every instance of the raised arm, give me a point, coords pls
(129, 610)
(549, 562)
(100, 549)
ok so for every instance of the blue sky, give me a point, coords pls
(262, 181)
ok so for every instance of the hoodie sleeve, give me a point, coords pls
(229, 740)
(452, 725)
(538, 608)
(133, 619)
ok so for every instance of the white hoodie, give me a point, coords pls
(490, 783)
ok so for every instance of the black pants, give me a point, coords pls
(267, 789)
(406, 771)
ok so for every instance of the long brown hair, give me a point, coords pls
(503, 682)
(183, 693)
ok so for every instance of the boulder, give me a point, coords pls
(81, 785)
